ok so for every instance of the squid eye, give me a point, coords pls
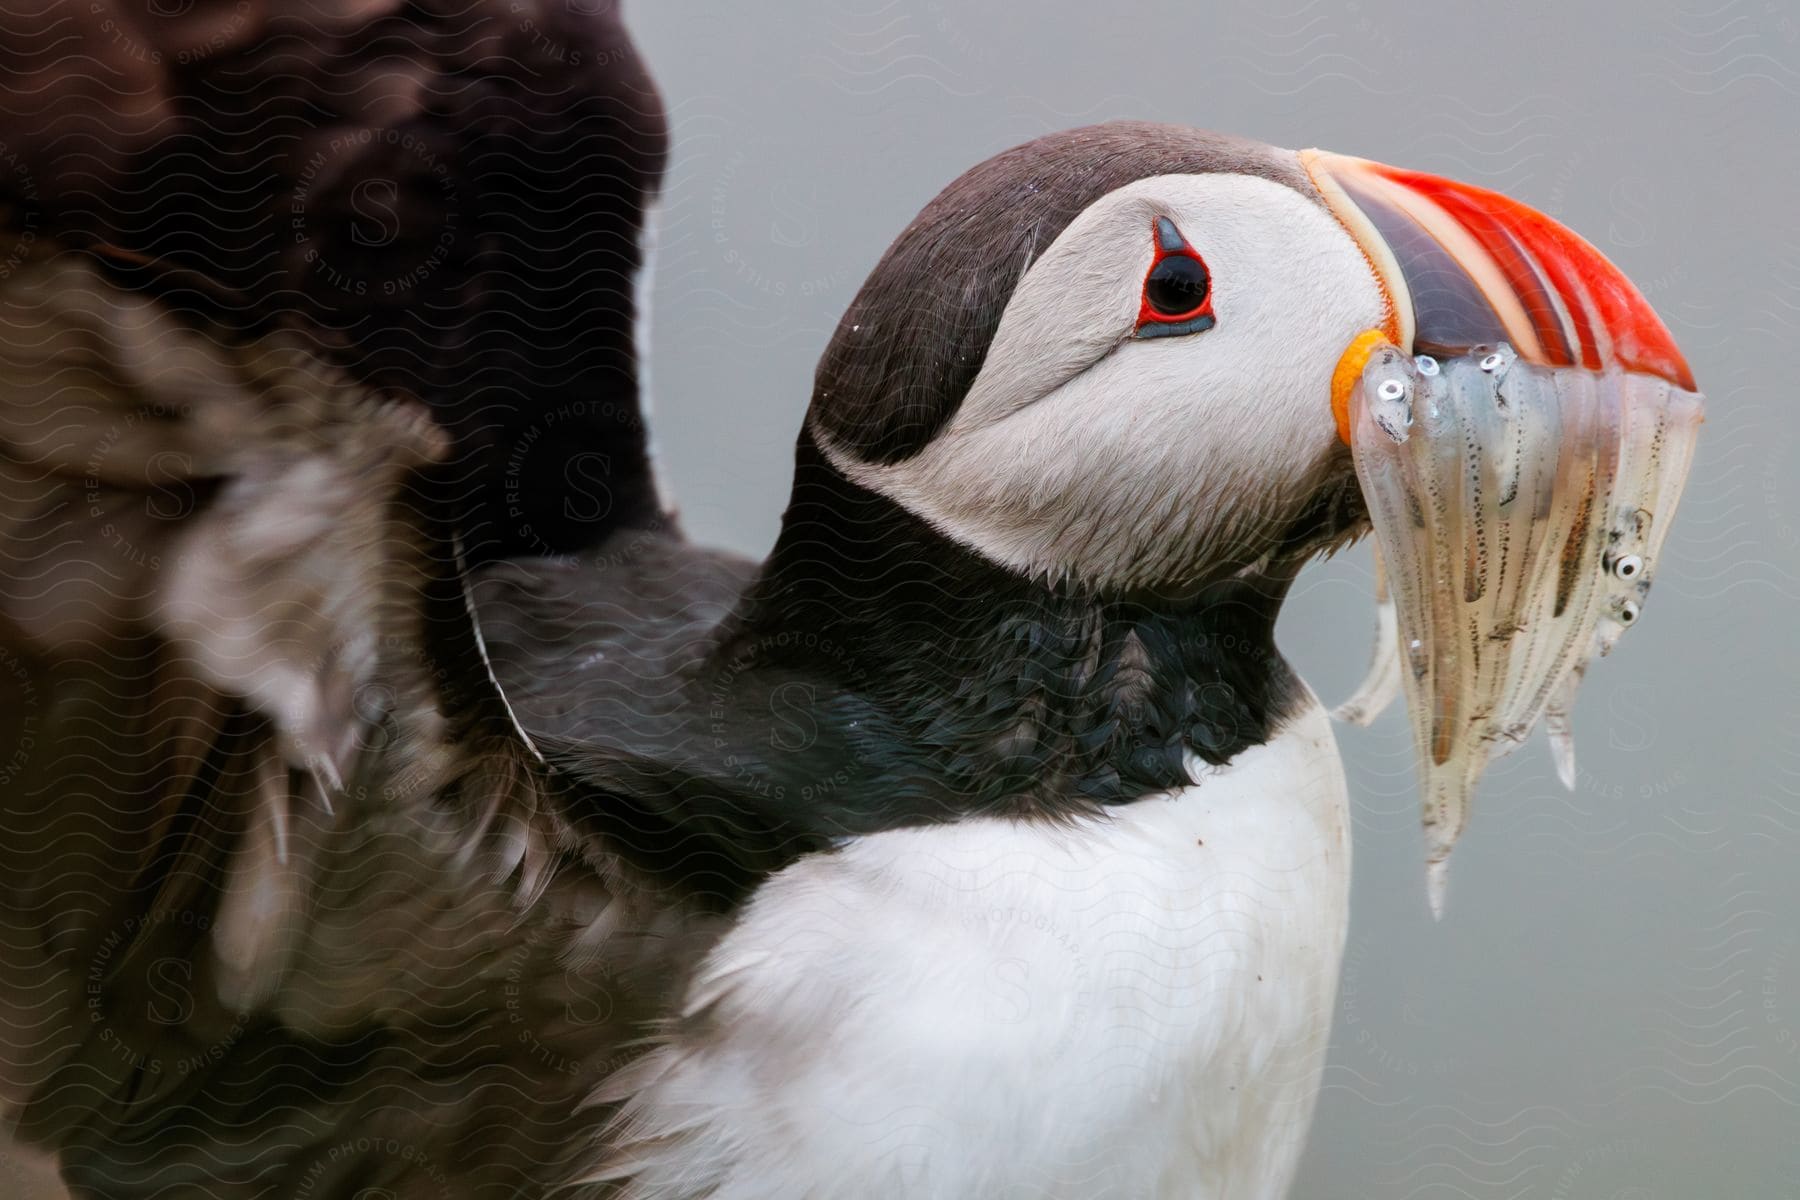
(1178, 288)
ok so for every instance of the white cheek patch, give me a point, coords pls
(1081, 450)
(1070, 309)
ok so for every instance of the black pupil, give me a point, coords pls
(1176, 285)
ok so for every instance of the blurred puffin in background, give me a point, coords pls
(404, 804)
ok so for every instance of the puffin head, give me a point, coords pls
(1139, 359)
(1120, 355)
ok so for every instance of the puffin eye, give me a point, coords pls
(1176, 285)
(1178, 288)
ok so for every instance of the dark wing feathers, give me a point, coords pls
(279, 867)
(312, 318)
(453, 190)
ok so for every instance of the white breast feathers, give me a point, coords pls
(1132, 1006)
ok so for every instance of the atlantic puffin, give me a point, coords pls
(978, 842)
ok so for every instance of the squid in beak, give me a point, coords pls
(1521, 427)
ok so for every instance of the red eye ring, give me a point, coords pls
(1177, 293)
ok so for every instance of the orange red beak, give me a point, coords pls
(1463, 266)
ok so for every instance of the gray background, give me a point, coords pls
(1611, 1007)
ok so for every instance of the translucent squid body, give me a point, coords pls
(1518, 514)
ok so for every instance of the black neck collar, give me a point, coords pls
(878, 675)
(924, 669)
